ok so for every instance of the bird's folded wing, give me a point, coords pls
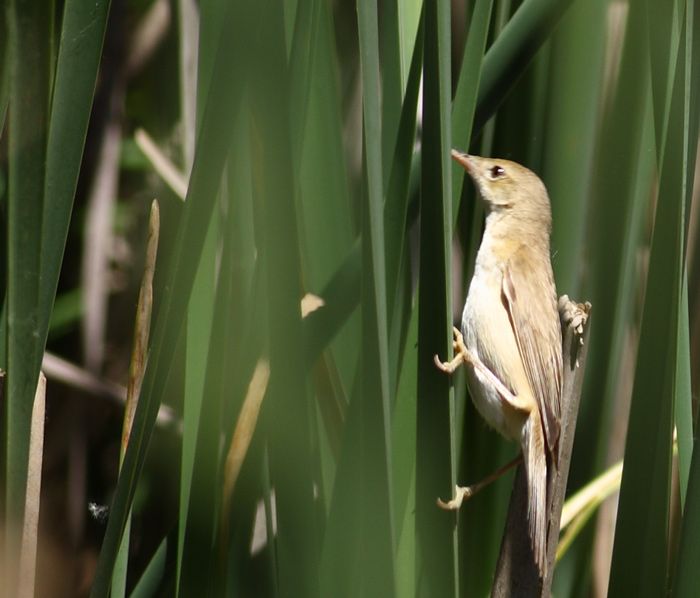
(532, 308)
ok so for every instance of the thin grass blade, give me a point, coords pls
(392, 87)
(137, 366)
(464, 104)
(30, 531)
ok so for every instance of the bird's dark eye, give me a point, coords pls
(497, 172)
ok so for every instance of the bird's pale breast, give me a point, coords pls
(488, 335)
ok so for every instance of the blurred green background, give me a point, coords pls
(316, 242)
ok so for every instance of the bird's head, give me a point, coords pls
(509, 189)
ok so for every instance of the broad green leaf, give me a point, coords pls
(4, 69)
(399, 284)
(79, 54)
(377, 522)
(435, 416)
(200, 315)
(29, 41)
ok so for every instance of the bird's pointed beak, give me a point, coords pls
(464, 159)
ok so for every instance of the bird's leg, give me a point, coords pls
(462, 492)
(464, 355)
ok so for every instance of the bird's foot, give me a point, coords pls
(574, 315)
(462, 354)
(461, 492)
(466, 492)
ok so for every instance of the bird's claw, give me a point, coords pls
(574, 314)
(461, 492)
(461, 354)
(442, 365)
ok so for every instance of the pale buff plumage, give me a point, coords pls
(510, 324)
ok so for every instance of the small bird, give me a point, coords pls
(511, 334)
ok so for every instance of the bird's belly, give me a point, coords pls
(489, 337)
(490, 405)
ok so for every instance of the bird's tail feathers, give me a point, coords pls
(536, 469)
